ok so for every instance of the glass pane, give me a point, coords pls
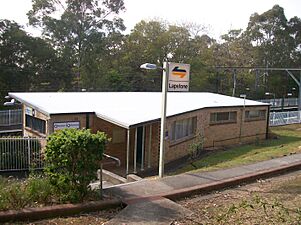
(213, 117)
(232, 116)
(224, 116)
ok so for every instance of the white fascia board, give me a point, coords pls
(116, 122)
(29, 104)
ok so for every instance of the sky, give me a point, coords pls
(219, 16)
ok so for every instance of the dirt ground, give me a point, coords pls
(275, 200)
(98, 218)
(271, 201)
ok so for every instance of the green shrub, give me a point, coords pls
(13, 194)
(17, 194)
(3, 194)
(40, 190)
(196, 146)
(72, 159)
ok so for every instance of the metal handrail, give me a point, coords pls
(118, 163)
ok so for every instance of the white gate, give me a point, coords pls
(21, 153)
(283, 118)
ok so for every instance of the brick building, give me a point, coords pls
(132, 121)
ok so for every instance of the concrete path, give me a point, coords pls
(152, 212)
(145, 198)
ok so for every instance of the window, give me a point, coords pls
(35, 124)
(223, 117)
(255, 115)
(183, 128)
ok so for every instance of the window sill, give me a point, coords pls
(222, 123)
(179, 141)
(35, 132)
(251, 120)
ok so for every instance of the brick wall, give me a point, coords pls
(232, 133)
(216, 135)
(114, 149)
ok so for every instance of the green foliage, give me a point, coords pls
(72, 159)
(275, 212)
(17, 194)
(28, 63)
(197, 146)
(288, 143)
(80, 31)
(40, 189)
(83, 48)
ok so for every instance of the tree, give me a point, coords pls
(81, 24)
(294, 27)
(13, 57)
(28, 63)
(273, 43)
(155, 42)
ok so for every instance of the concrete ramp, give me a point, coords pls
(142, 212)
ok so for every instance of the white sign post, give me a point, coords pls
(175, 77)
(178, 76)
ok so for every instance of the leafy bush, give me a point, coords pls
(40, 190)
(197, 146)
(72, 159)
(17, 194)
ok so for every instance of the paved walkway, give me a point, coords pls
(146, 202)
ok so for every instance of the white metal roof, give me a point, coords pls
(126, 108)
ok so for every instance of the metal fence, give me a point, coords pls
(10, 117)
(283, 118)
(278, 102)
(21, 153)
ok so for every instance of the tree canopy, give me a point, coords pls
(83, 47)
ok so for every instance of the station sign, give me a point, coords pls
(64, 125)
(178, 77)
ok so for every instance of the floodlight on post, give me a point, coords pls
(274, 104)
(244, 97)
(11, 103)
(149, 66)
(8, 104)
(274, 96)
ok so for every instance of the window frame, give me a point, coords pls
(33, 124)
(183, 129)
(215, 117)
(261, 115)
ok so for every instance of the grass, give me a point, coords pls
(288, 142)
